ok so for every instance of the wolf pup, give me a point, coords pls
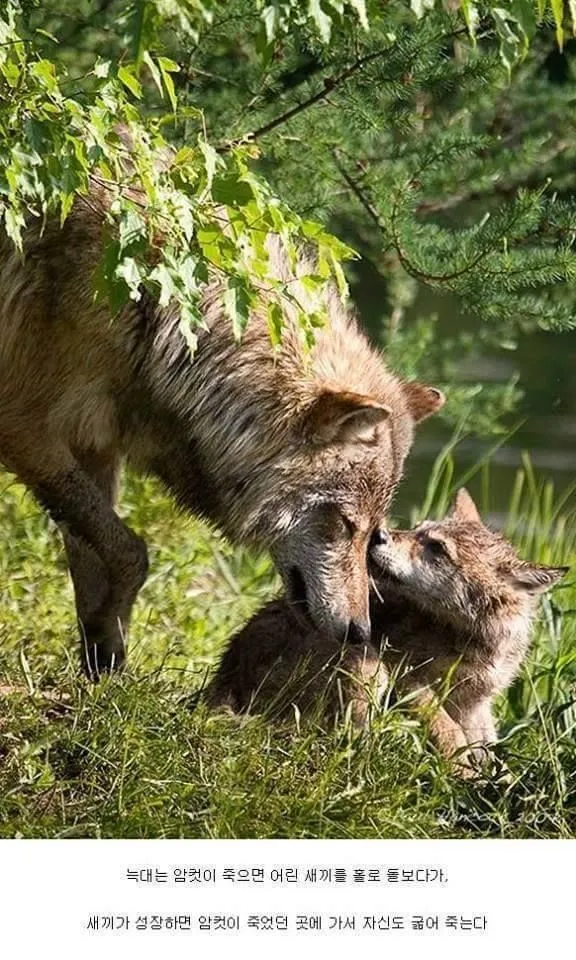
(452, 607)
(295, 452)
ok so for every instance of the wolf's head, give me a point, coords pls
(460, 571)
(298, 451)
(339, 482)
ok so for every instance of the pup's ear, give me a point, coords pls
(342, 417)
(422, 400)
(535, 578)
(465, 510)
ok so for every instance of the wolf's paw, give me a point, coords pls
(481, 764)
(102, 650)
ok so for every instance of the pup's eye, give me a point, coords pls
(435, 548)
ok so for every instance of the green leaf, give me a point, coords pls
(558, 14)
(420, 6)
(102, 68)
(141, 12)
(311, 322)
(170, 66)
(360, 7)
(269, 17)
(321, 19)
(131, 272)
(211, 159)
(14, 223)
(108, 286)
(312, 283)
(275, 323)
(45, 33)
(311, 229)
(185, 328)
(45, 71)
(11, 72)
(165, 279)
(167, 67)
(126, 76)
(340, 277)
(72, 178)
(184, 212)
(183, 157)
(512, 36)
(66, 204)
(187, 267)
(232, 191)
(471, 16)
(572, 9)
(237, 302)
(154, 71)
(525, 12)
(131, 229)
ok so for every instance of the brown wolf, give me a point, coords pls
(300, 454)
(452, 606)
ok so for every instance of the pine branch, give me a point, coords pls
(505, 189)
(405, 261)
(78, 25)
(415, 271)
(330, 84)
(358, 193)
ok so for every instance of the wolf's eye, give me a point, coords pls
(435, 548)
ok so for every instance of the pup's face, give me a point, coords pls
(458, 569)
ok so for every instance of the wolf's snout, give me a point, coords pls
(297, 587)
(358, 632)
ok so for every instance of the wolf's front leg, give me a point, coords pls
(480, 729)
(445, 733)
(478, 725)
(108, 562)
(90, 578)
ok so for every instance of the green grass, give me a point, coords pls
(131, 757)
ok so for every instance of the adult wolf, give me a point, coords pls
(300, 454)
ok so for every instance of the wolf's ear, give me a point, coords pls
(342, 417)
(535, 578)
(465, 510)
(422, 400)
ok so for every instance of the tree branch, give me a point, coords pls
(405, 261)
(330, 84)
(505, 189)
(358, 193)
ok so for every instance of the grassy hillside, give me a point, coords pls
(131, 757)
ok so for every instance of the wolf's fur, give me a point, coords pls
(278, 661)
(299, 454)
(452, 607)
